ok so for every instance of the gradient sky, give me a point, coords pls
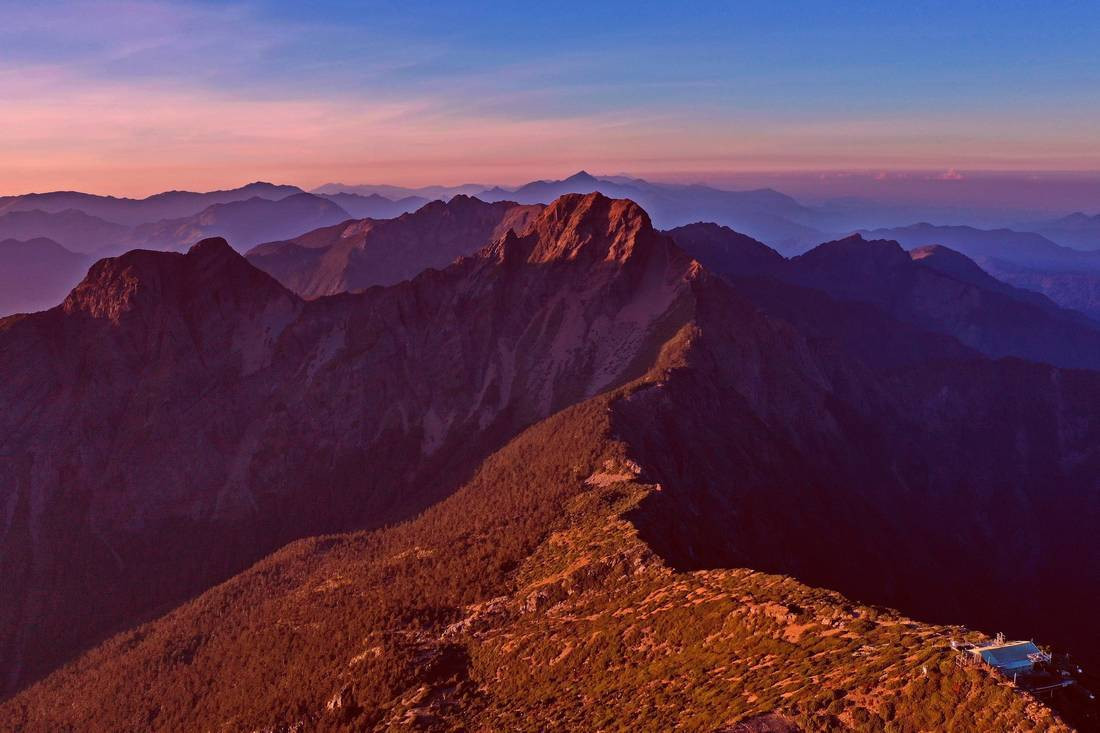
(129, 97)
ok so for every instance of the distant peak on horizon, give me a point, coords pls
(264, 185)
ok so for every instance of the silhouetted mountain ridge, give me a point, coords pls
(76, 231)
(374, 206)
(933, 289)
(764, 213)
(1077, 230)
(246, 222)
(132, 212)
(355, 255)
(1067, 276)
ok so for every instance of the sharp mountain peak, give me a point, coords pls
(583, 226)
(581, 175)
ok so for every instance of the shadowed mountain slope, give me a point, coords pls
(962, 268)
(931, 289)
(358, 254)
(524, 602)
(1069, 277)
(982, 313)
(365, 408)
(727, 252)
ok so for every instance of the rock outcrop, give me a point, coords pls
(355, 255)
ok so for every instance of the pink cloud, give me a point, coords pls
(63, 130)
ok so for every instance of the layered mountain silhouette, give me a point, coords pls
(247, 222)
(555, 452)
(997, 245)
(355, 255)
(962, 268)
(131, 212)
(932, 288)
(1077, 230)
(373, 206)
(762, 213)
(36, 274)
(100, 226)
(72, 229)
(726, 251)
(1069, 277)
(394, 193)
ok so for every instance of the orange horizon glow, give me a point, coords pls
(134, 97)
(139, 139)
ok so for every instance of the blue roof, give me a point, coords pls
(1009, 656)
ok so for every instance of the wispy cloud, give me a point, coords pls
(128, 96)
(64, 129)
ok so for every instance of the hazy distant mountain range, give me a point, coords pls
(395, 193)
(933, 288)
(374, 206)
(764, 214)
(131, 212)
(247, 222)
(176, 220)
(260, 213)
(1077, 230)
(71, 228)
(1069, 277)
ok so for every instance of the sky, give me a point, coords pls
(128, 97)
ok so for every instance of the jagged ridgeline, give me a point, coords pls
(573, 473)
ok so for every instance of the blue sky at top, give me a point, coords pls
(670, 85)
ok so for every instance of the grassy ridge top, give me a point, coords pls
(525, 601)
